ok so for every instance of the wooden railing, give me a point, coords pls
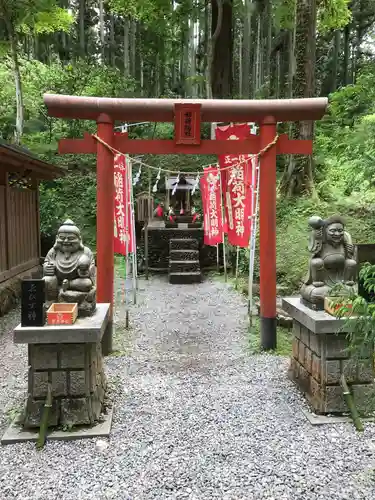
(19, 231)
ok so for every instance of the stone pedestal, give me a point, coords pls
(70, 359)
(319, 358)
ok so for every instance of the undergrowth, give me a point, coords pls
(283, 345)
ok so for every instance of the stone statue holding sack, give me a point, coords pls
(69, 271)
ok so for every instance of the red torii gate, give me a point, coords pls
(265, 112)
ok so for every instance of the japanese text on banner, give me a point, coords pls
(213, 224)
(238, 184)
(123, 227)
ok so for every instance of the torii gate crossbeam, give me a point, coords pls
(265, 112)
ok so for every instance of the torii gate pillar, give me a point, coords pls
(105, 224)
(267, 235)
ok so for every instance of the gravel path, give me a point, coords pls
(195, 417)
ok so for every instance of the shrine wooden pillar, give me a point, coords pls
(267, 235)
(105, 224)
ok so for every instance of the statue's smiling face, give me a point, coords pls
(335, 233)
(68, 242)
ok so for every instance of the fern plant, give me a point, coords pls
(358, 313)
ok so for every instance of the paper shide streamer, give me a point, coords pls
(196, 184)
(176, 184)
(155, 187)
(137, 176)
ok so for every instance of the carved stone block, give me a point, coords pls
(317, 363)
(74, 370)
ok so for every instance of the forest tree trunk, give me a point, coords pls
(335, 60)
(126, 48)
(101, 29)
(246, 50)
(299, 176)
(112, 40)
(345, 78)
(267, 30)
(82, 44)
(17, 79)
(133, 39)
(222, 48)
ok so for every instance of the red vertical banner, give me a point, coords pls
(213, 223)
(123, 230)
(206, 224)
(238, 183)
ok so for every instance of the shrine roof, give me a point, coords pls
(170, 181)
(162, 110)
(19, 159)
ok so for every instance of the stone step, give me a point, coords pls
(184, 218)
(184, 266)
(183, 244)
(183, 255)
(185, 278)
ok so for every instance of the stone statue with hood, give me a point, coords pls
(332, 263)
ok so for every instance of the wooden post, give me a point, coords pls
(146, 249)
(267, 227)
(104, 224)
(168, 195)
(35, 186)
(4, 182)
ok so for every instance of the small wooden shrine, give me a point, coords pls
(179, 192)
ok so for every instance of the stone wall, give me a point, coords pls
(158, 247)
(76, 374)
(317, 362)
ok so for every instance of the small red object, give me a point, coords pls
(187, 123)
(62, 314)
(159, 211)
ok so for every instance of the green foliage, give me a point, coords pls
(155, 14)
(58, 199)
(284, 340)
(333, 14)
(48, 21)
(71, 197)
(359, 316)
(284, 13)
(142, 10)
(35, 16)
(345, 144)
(81, 78)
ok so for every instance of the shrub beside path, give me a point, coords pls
(195, 417)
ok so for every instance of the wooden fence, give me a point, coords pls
(19, 231)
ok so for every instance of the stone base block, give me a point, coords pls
(74, 371)
(320, 355)
(17, 434)
(34, 411)
(78, 382)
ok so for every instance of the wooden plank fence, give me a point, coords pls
(19, 231)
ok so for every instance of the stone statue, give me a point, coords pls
(332, 262)
(69, 271)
